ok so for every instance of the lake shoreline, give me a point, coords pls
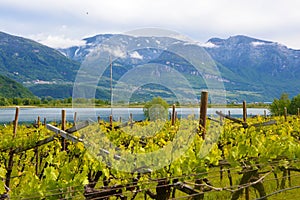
(30, 114)
(265, 106)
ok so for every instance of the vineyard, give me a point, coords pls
(220, 157)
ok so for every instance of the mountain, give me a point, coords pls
(128, 53)
(251, 69)
(10, 89)
(33, 64)
(79, 53)
(265, 67)
(26, 60)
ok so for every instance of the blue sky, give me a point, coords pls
(62, 23)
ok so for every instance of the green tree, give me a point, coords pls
(4, 101)
(277, 107)
(17, 101)
(69, 100)
(295, 104)
(26, 101)
(46, 100)
(36, 101)
(155, 109)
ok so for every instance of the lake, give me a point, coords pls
(29, 115)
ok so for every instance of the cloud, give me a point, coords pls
(209, 45)
(58, 41)
(136, 55)
(255, 44)
(116, 51)
(198, 19)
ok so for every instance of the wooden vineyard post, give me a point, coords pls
(45, 121)
(203, 112)
(173, 114)
(265, 113)
(110, 120)
(36, 150)
(221, 117)
(99, 119)
(131, 120)
(285, 114)
(16, 121)
(75, 118)
(63, 127)
(229, 113)
(298, 112)
(38, 121)
(244, 112)
(63, 120)
(11, 152)
(247, 193)
(9, 169)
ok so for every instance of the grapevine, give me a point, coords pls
(254, 160)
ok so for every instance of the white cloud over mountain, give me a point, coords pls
(199, 19)
(57, 41)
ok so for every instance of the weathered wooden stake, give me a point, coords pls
(298, 112)
(265, 113)
(11, 152)
(45, 121)
(63, 127)
(38, 121)
(16, 121)
(63, 120)
(9, 169)
(203, 112)
(110, 120)
(247, 193)
(120, 119)
(285, 113)
(244, 112)
(99, 119)
(75, 118)
(131, 120)
(36, 150)
(221, 117)
(173, 114)
(229, 113)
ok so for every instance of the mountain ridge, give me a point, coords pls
(249, 64)
(25, 60)
(251, 69)
(35, 65)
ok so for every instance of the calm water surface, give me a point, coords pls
(54, 114)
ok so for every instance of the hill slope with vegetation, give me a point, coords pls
(12, 89)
